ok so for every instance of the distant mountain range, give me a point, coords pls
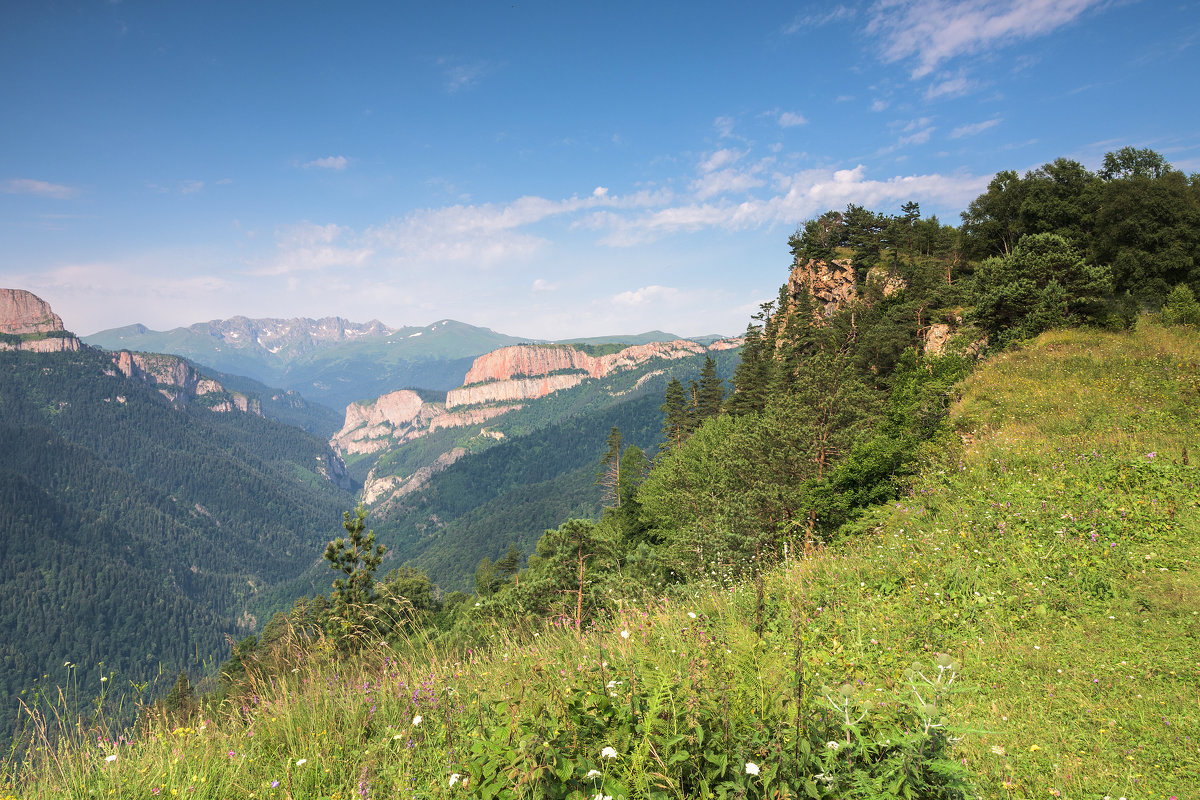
(331, 360)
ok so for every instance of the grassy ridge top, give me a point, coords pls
(1051, 550)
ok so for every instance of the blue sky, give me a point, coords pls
(545, 169)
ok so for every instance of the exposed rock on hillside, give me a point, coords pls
(27, 323)
(833, 284)
(532, 360)
(178, 380)
(513, 390)
(400, 417)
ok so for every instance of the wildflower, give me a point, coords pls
(111, 758)
(302, 762)
(274, 784)
(454, 778)
(832, 746)
(602, 797)
(1034, 747)
(417, 719)
(692, 614)
(997, 749)
(608, 752)
(624, 634)
(751, 768)
(592, 773)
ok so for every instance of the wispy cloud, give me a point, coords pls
(817, 19)
(190, 187)
(307, 247)
(974, 128)
(955, 86)
(790, 119)
(724, 126)
(797, 196)
(56, 191)
(328, 162)
(934, 31)
(645, 295)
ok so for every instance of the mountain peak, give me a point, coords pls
(24, 312)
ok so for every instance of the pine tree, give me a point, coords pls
(674, 410)
(357, 558)
(711, 392)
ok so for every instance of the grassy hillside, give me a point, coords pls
(1048, 550)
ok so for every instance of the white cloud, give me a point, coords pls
(724, 126)
(721, 158)
(797, 196)
(56, 191)
(934, 31)
(645, 295)
(818, 19)
(950, 87)
(879, 105)
(723, 182)
(328, 162)
(306, 247)
(790, 119)
(973, 128)
(190, 187)
(543, 285)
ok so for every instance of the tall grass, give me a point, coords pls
(1048, 549)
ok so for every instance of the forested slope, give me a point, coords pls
(135, 532)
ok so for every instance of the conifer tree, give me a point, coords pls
(711, 392)
(357, 558)
(674, 410)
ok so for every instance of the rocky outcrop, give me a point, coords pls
(24, 312)
(177, 380)
(27, 323)
(830, 283)
(936, 337)
(400, 417)
(512, 391)
(393, 487)
(834, 286)
(536, 360)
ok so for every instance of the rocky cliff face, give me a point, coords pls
(512, 391)
(178, 380)
(400, 417)
(27, 323)
(536, 360)
(833, 284)
(527, 372)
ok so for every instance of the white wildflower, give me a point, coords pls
(301, 762)
(608, 752)
(111, 758)
(454, 778)
(417, 719)
(592, 773)
(624, 634)
(751, 768)
(832, 745)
